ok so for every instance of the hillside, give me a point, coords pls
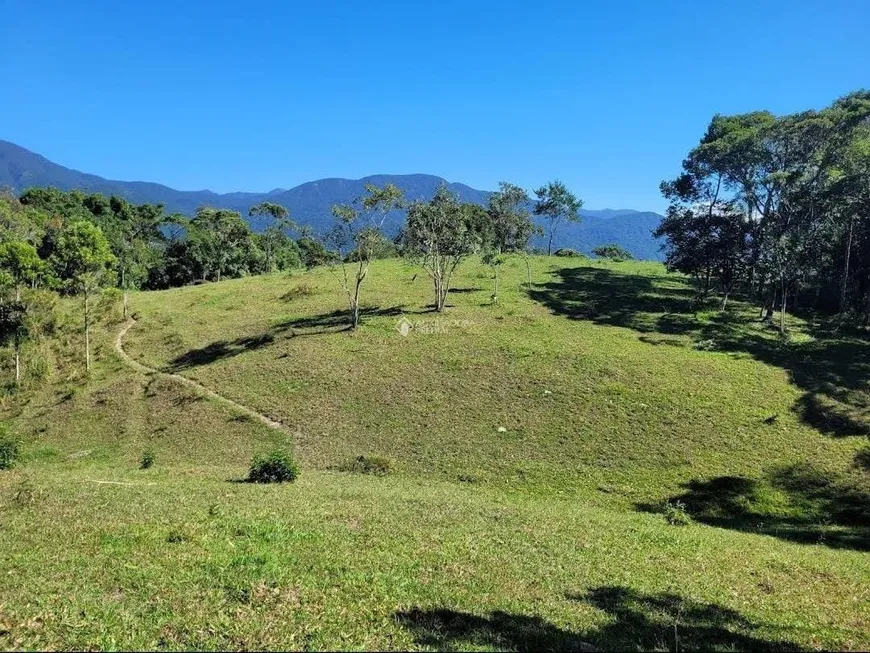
(310, 202)
(596, 463)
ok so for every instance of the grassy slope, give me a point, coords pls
(519, 539)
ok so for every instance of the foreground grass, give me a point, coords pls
(615, 393)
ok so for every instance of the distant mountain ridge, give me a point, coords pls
(310, 203)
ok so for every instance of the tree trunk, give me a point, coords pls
(17, 363)
(845, 284)
(725, 300)
(782, 312)
(355, 304)
(87, 333)
(550, 241)
(495, 290)
(528, 271)
(124, 286)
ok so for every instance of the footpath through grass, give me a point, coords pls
(531, 443)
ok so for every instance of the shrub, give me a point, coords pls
(147, 460)
(566, 251)
(612, 252)
(375, 465)
(9, 450)
(302, 290)
(275, 467)
(675, 513)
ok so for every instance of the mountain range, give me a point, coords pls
(310, 203)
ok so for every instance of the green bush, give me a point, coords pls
(675, 513)
(275, 467)
(566, 251)
(375, 465)
(613, 252)
(147, 460)
(301, 290)
(9, 449)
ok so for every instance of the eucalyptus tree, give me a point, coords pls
(556, 204)
(439, 235)
(356, 235)
(511, 226)
(84, 261)
(274, 238)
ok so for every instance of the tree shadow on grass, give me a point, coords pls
(333, 322)
(639, 621)
(796, 503)
(832, 369)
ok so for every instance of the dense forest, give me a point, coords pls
(778, 208)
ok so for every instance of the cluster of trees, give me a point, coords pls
(441, 232)
(778, 207)
(72, 243)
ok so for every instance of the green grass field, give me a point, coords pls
(540, 447)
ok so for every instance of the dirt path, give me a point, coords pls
(144, 369)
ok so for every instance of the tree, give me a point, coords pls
(556, 204)
(511, 225)
(14, 329)
(84, 260)
(220, 241)
(22, 263)
(439, 235)
(274, 238)
(356, 235)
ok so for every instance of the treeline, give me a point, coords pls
(778, 208)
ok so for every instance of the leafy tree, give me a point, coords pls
(356, 235)
(220, 242)
(511, 226)
(439, 235)
(23, 265)
(556, 204)
(313, 252)
(274, 241)
(14, 330)
(84, 261)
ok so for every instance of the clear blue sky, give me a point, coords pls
(232, 95)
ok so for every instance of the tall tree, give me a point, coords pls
(556, 204)
(511, 225)
(439, 235)
(221, 240)
(84, 260)
(274, 238)
(356, 235)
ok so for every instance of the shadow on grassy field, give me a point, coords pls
(796, 503)
(332, 322)
(639, 621)
(833, 370)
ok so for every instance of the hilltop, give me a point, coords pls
(310, 202)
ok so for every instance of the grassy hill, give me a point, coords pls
(543, 453)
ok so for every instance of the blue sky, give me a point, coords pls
(606, 96)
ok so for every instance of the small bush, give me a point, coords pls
(375, 465)
(566, 251)
(275, 467)
(301, 290)
(675, 513)
(9, 450)
(147, 460)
